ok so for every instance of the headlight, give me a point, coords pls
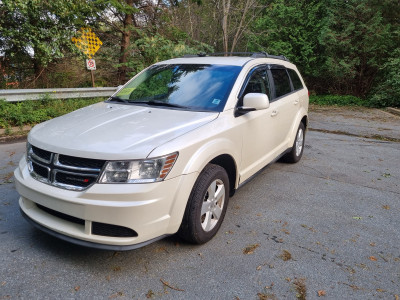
(28, 150)
(138, 171)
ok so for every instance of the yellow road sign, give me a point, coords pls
(87, 42)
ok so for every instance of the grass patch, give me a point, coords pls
(19, 114)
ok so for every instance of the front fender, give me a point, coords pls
(208, 151)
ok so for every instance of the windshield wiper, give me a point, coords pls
(159, 103)
(150, 102)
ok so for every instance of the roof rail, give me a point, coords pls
(201, 54)
(248, 54)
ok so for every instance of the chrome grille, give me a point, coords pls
(64, 171)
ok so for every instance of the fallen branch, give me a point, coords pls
(170, 286)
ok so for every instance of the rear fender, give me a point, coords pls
(295, 126)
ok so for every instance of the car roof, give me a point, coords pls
(220, 60)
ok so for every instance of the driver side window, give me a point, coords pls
(255, 85)
(258, 83)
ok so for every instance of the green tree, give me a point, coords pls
(121, 16)
(342, 47)
(292, 28)
(36, 32)
(143, 31)
(386, 91)
(357, 41)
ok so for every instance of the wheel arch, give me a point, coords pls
(228, 163)
(304, 120)
(222, 152)
(300, 118)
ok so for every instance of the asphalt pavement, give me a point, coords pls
(324, 228)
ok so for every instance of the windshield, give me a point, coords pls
(194, 87)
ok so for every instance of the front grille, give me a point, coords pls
(80, 180)
(80, 162)
(40, 170)
(64, 171)
(112, 230)
(46, 155)
(61, 215)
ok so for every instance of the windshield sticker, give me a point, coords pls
(216, 101)
(125, 91)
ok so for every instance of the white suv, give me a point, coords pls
(164, 153)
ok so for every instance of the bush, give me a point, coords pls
(33, 112)
(387, 92)
(339, 100)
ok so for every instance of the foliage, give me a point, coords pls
(341, 47)
(291, 29)
(387, 90)
(33, 112)
(356, 42)
(340, 100)
(35, 32)
(149, 49)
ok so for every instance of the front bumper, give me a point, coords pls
(151, 210)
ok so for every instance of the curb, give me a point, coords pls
(13, 139)
(17, 134)
(393, 110)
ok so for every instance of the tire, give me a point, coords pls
(204, 214)
(296, 152)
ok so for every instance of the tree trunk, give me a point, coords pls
(37, 68)
(125, 43)
(239, 31)
(226, 4)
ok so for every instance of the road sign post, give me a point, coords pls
(89, 44)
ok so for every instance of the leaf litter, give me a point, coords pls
(250, 249)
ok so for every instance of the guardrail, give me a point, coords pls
(61, 93)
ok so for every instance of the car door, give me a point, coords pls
(286, 105)
(257, 127)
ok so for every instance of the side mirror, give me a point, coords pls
(252, 102)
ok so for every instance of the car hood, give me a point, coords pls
(115, 131)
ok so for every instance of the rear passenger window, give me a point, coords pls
(295, 79)
(282, 82)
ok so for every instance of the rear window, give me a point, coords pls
(297, 84)
(282, 82)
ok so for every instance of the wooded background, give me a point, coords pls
(341, 47)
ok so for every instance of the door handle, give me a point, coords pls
(274, 113)
(296, 102)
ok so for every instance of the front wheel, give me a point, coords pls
(206, 206)
(296, 151)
